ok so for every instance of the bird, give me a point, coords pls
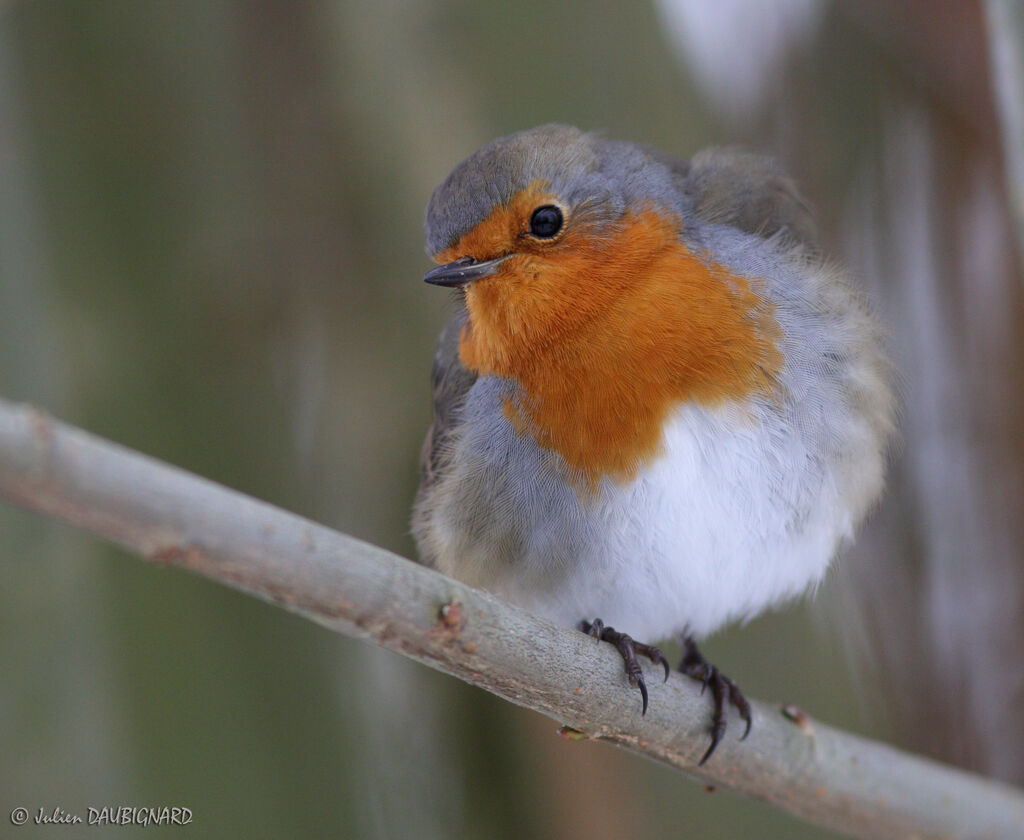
(657, 405)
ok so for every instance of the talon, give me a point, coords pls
(742, 706)
(643, 693)
(719, 694)
(628, 650)
(656, 656)
(704, 682)
(723, 693)
(716, 736)
(664, 662)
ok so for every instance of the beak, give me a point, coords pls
(463, 271)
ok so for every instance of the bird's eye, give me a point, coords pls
(546, 221)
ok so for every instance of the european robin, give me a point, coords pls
(656, 403)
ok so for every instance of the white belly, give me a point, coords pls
(740, 512)
(735, 516)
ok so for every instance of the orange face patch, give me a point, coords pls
(607, 333)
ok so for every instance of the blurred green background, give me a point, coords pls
(211, 250)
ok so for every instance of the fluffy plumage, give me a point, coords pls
(670, 416)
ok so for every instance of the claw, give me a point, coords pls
(719, 693)
(742, 706)
(723, 692)
(656, 656)
(716, 736)
(628, 650)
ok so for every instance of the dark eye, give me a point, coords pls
(546, 221)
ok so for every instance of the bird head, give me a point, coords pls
(581, 288)
(542, 230)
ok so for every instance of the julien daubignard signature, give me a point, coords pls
(107, 815)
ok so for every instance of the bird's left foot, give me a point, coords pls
(723, 692)
(628, 649)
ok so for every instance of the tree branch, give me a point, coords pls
(171, 517)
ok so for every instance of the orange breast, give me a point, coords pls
(606, 336)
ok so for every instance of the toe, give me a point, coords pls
(720, 696)
(628, 650)
(656, 656)
(742, 706)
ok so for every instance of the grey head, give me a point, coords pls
(594, 178)
(597, 179)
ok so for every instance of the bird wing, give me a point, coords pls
(750, 192)
(451, 382)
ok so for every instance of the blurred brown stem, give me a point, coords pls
(171, 517)
(1005, 21)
